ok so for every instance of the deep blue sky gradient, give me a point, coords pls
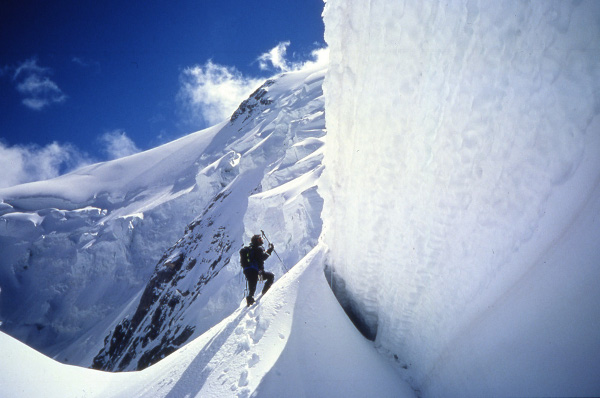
(118, 63)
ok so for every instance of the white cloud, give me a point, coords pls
(117, 144)
(36, 87)
(79, 61)
(27, 163)
(21, 164)
(212, 92)
(320, 57)
(87, 63)
(276, 58)
(29, 67)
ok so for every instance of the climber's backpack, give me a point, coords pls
(244, 256)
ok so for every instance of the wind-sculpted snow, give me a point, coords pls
(462, 157)
(267, 182)
(80, 251)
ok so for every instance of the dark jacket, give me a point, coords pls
(257, 257)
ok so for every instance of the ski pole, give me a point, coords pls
(269, 242)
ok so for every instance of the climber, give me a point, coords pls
(252, 260)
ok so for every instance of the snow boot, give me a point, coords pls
(249, 301)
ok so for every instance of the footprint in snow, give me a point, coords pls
(243, 345)
(245, 393)
(243, 382)
(259, 332)
(254, 360)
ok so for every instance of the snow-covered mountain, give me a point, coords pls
(453, 210)
(81, 248)
(268, 181)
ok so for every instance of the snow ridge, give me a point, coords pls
(268, 181)
(296, 341)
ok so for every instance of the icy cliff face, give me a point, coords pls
(462, 170)
(80, 252)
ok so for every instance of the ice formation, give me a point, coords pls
(461, 189)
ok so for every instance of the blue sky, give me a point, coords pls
(84, 81)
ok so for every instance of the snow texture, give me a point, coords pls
(296, 341)
(461, 189)
(459, 185)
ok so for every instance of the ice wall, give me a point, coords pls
(461, 189)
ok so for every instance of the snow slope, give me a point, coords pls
(79, 250)
(461, 189)
(28, 373)
(296, 341)
(268, 180)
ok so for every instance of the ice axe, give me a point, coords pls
(269, 242)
